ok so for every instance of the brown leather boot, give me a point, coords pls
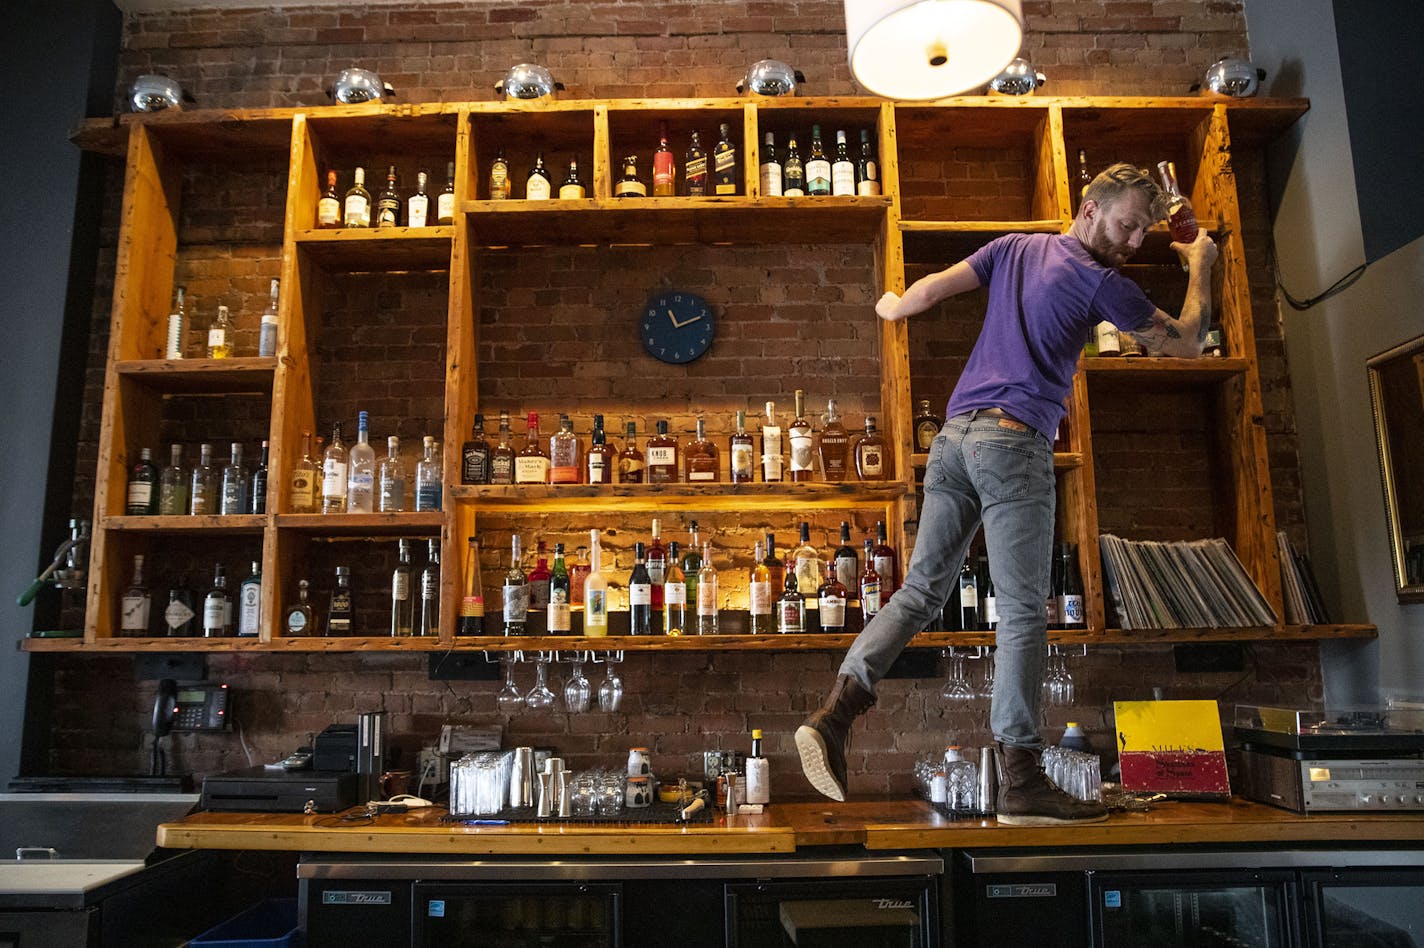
(821, 740)
(1028, 798)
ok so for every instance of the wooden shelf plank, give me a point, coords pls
(1163, 369)
(579, 497)
(378, 250)
(249, 375)
(230, 524)
(404, 523)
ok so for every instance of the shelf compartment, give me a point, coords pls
(215, 524)
(941, 243)
(1164, 369)
(201, 376)
(378, 250)
(612, 497)
(402, 524)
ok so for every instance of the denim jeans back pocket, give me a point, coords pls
(1010, 465)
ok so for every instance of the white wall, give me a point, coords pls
(1318, 240)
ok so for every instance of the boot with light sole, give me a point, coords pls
(821, 740)
(1028, 798)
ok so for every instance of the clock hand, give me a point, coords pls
(685, 322)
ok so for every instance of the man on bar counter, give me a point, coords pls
(993, 464)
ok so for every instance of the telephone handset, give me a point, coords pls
(199, 706)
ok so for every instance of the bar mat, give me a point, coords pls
(657, 813)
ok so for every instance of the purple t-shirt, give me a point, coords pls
(1046, 292)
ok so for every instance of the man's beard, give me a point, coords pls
(1104, 250)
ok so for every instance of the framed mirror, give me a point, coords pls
(1397, 396)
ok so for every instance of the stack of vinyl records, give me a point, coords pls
(1196, 584)
(1302, 596)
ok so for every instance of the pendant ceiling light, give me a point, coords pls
(927, 49)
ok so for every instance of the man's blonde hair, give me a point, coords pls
(1122, 178)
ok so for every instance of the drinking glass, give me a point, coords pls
(577, 690)
(985, 691)
(957, 688)
(610, 793)
(510, 699)
(610, 691)
(540, 697)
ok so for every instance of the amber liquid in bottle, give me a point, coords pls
(328, 206)
(664, 166)
(630, 459)
(695, 169)
(800, 436)
(502, 455)
(871, 458)
(834, 442)
(700, 458)
(662, 457)
(602, 459)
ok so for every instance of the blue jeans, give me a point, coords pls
(1000, 474)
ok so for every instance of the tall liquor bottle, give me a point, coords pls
(602, 459)
(692, 563)
(177, 323)
(1181, 218)
(232, 497)
(578, 574)
(429, 485)
(499, 177)
(694, 169)
(871, 457)
(390, 479)
(791, 609)
(724, 162)
(180, 617)
(834, 444)
(867, 169)
(793, 173)
(572, 188)
(475, 455)
(1085, 178)
(339, 612)
(564, 454)
(664, 166)
(203, 487)
(706, 596)
(531, 465)
(502, 455)
(220, 335)
(333, 474)
(402, 602)
(361, 470)
(927, 425)
(988, 599)
(356, 210)
(539, 578)
(515, 593)
(136, 603)
(595, 592)
(560, 619)
(428, 623)
(417, 206)
(143, 486)
(445, 200)
(303, 486)
(832, 598)
(886, 563)
(770, 446)
(538, 186)
(846, 562)
(628, 185)
(173, 484)
(249, 603)
(759, 594)
(770, 170)
(640, 595)
(870, 593)
(968, 617)
(388, 203)
(630, 459)
(472, 604)
(328, 206)
(300, 619)
(657, 563)
(675, 595)
(217, 608)
(842, 169)
(662, 456)
(818, 167)
(700, 460)
(1070, 588)
(267, 332)
(805, 561)
(742, 452)
(774, 565)
(799, 434)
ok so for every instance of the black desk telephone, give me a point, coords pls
(198, 706)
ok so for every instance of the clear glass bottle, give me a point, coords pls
(390, 478)
(771, 460)
(564, 459)
(631, 466)
(417, 206)
(601, 458)
(304, 481)
(701, 463)
(724, 163)
(802, 442)
(402, 598)
(173, 484)
(203, 486)
(267, 334)
(675, 617)
(499, 177)
(339, 615)
(249, 603)
(805, 561)
(707, 594)
(328, 206)
(333, 474)
(1181, 218)
(842, 169)
(531, 465)
(257, 497)
(220, 335)
(428, 622)
(742, 452)
(793, 172)
(233, 496)
(867, 169)
(760, 595)
(300, 620)
(640, 595)
(538, 185)
(692, 563)
(361, 470)
(871, 457)
(177, 324)
(217, 607)
(515, 593)
(595, 592)
(502, 454)
(445, 200)
(834, 444)
(572, 187)
(770, 170)
(818, 167)
(694, 169)
(429, 486)
(180, 616)
(143, 486)
(757, 783)
(356, 210)
(662, 456)
(135, 604)
(560, 617)
(664, 166)
(791, 609)
(472, 604)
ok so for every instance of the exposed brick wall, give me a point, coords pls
(554, 330)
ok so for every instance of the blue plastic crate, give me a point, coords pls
(269, 924)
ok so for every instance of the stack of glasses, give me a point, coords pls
(479, 783)
(1076, 773)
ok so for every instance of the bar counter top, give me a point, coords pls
(890, 824)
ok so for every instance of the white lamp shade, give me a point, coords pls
(927, 49)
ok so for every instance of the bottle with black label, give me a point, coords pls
(793, 173)
(867, 170)
(724, 163)
(180, 618)
(695, 168)
(338, 617)
(475, 455)
(629, 186)
(1070, 588)
(388, 204)
(428, 622)
(640, 595)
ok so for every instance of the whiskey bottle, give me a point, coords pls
(602, 459)
(388, 204)
(831, 598)
(867, 169)
(595, 592)
(233, 497)
(700, 459)
(257, 496)
(502, 456)
(662, 456)
(869, 586)
(871, 458)
(657, 562)
(564, 454)
(774, 565)
(578, 575)
(674, 595)
(177, 321)
(531, 465)
(742, 453)
(402, 603)
(630, 459)
(1181, 219)
(302, 493)
(886, 564)
(220, 335)
(333, 474)
(203, 487)
(724, 162)
(629, 185)
(1084, 179)
(572, 188)
(475, 455)
(445, 200)
(499, 177)
(390, 479)
(299, 620)
(664, 166)
(428, 623)
(417, 206)
(818, 167)
(759, 594)
(791, 609)
(842, 169)
(135, 603)
(472, 604)
(770, 170)
(217, 608)
(249, 603)
(328, 206)
(770, 446)
(429, 485)
(357, 208)
(173, 484)
(361, 470)
(706, 595)
(538, 185)
(338, 616)
(560, 620)
(640, 595)
(695, 168)
(806, 563)
(799, 434)
(267, 333)
(845, 561)
(835, 443)
(143, 486)
(515, 593)
(793, 173)
(180, 617)
(927, 425)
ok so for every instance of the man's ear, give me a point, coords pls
(1089, 210)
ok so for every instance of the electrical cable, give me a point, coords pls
(1334, 289)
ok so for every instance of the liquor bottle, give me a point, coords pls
(361, 470)
(700, 458)
(502, 455)
(564, 454)
(706, 596)
(1084, 179)
(630, 459)
(177, 322)
(791, 609)
(662, 456)
(267, 333)
(538, 185)
(629, 185)
(203, 486)
(1131, 348)
(299, 620)
(499, 177)
(531, 465)
(871, 458)
(232, 497)
(388, 203)
(1070, 588)
(333, 474)
(249, 603)
(472, 604)
(305, 478)
(428, 623)
(602, 459)
(724, 162)
(515, 593)
(572, 188)
(968, 618)
(832, 597)
(799, 434)
(475, 455)
(867, 169)
(664, 166)
(759, 594)
(180, 618)
(834, 444)
(328, 206)
(445, 200)
(694, 168)
(770, 168)
(1181, 218)
(657, 561)
(886, 563)
(560, 619)
(1108, 341)
(1212, 346)
(417, 206)
(357, 208)
(640, 595)
(173, 484)
(675, 595)
(846, 561)
(742, 452)
(402, 602)
(217, 608)
(1055, 589)
(429, 486)
(793, 173)
(539, 578)
(927, 425)
(220, 335)
(842, 169)
(805, 561)
(692, 563)
(870, 594)
(988, 599)
(257, 496)
(338, 616)
(818, 167)
(135, 603)
(595, 592)
(756, 787)
(770, 446)
(143, 486)
(774, 564)
(578, 574)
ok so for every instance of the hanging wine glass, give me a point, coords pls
(610, 691)
(985, 691)
(540, 697)
(957, 689)
(577, 690)
(510, 699)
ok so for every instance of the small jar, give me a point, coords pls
(639, 765)
(639, 792)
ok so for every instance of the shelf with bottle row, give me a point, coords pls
(375, 525)
(235, 376)
(747, 496)
(1147, 369)
(365, 249)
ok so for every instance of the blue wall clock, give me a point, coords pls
(677, 326)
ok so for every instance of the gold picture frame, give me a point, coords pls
(1396, 379)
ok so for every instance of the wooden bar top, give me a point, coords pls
(783, 828)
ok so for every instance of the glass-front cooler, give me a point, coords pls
(516, 915)
(1363, 908)
(1241, 909)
